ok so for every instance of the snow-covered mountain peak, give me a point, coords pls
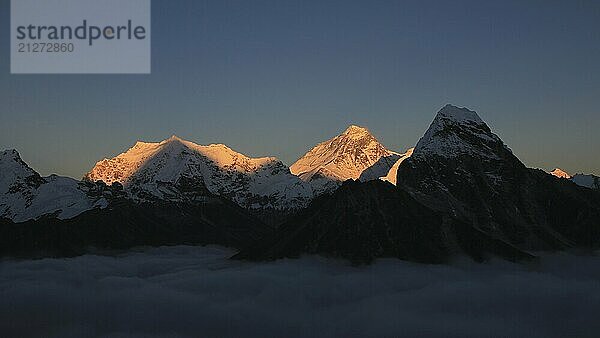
(147, 168)
(356, 132)
(176, 141)
(353, 128)
(143, 146)
(560, 173)
(10, 158)
(458, 114)
(13, 170)
(584, 180)
(343, 157)
(151, 154)
(459, 131)
(24, 194)
(174, 138)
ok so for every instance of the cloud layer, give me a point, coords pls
(194, 291)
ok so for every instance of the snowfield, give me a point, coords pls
(147, 166)
(194, 291)
(25, 195)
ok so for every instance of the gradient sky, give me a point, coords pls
(276, 77)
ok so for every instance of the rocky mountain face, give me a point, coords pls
(588, 181)
(461, 168)
(124, 224)
(346, 156)
(25, 195)
(461, 192)
(165, 170)
(362, 221)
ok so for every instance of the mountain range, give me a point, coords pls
(584, 180)
(460, 191)
(151, 171)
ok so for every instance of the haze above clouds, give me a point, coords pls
(194, 291)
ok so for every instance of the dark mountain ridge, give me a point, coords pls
(124, 224)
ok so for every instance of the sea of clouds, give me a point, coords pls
(196, 292)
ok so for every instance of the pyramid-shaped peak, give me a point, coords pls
(356, 132)
(342, 157)
(139, 144)
(174, 138)
(12, 167)
(459, 131)
(458, 114)
(176, 142)
(355, 129)
(11, 158)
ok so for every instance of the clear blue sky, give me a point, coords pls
(275, 77)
